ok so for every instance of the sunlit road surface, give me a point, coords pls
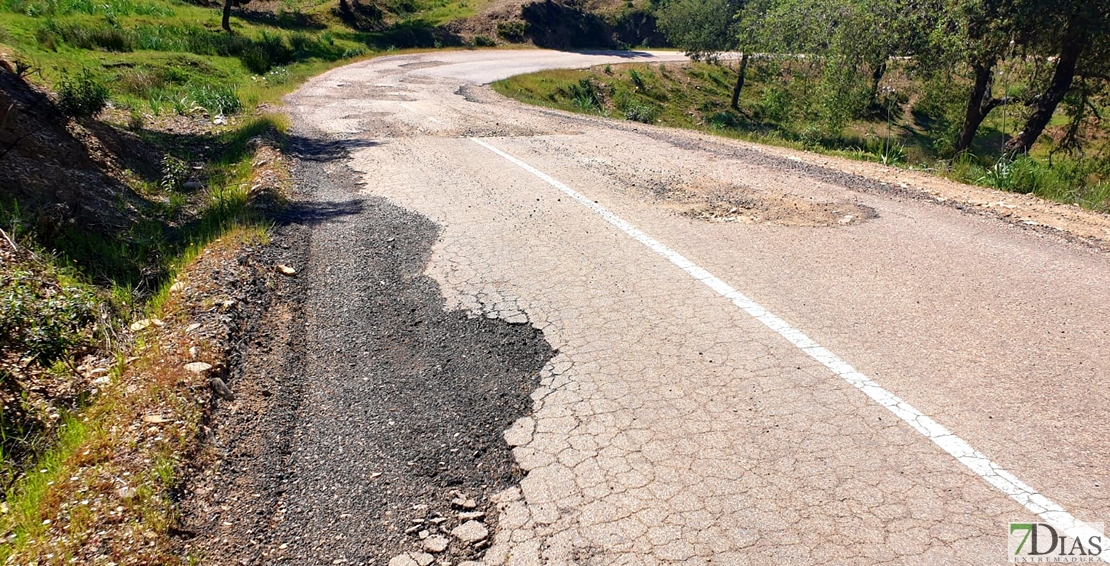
(758, 363)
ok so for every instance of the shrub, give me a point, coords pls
(484, 41)
(255, 59)
(512, 31)
(174, 172)
(43, 319)
(83, 95)
(136, 121)
(641, 113)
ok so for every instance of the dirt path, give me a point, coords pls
(753, 351)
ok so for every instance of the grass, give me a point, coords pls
(909, 129)
(110, 468)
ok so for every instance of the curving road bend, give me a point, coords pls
(759, 359)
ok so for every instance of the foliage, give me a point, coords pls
(512, 31)
(82, 95)
(41, 317)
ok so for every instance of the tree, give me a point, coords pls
(704, 29)
(978, 34)
(1071, 30)
(228, 4)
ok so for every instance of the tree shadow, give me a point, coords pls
(287, 20)
(557, 25)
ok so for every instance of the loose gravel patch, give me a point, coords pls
(365, 410)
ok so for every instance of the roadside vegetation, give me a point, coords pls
(998, 94)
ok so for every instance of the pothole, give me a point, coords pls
(422, 65)
(783, 210)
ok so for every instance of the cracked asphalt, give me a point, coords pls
(669, 426)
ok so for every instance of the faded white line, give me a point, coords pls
(963, 452)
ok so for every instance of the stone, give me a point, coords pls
(469, 515)
(221, 388)
(403, 560)
(470, 532)
(436, 544)
(198, 367)
(422, 558)
(286, 270)
(464, 502)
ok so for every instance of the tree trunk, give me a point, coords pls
(227, 15)
(876, 78)
(977, 105)
(739, 81)
(1045, 105)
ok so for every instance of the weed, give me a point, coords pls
(216, 99)
(174, 173)
(637, 79)
(135, 121)
(585, 94)
(83, 95)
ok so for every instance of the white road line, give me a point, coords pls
(963, 452)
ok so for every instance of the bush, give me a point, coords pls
(641, 113)
(484, 41)
(512, 31)
(255, 59)
(43, 319)
(83, 95)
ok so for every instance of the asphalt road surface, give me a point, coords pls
(756, 357)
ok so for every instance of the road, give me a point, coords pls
(757, 358)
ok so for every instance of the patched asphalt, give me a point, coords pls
(365, 407)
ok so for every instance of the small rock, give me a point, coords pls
(221, 388)
(98, 371)
(422, 558)
(141, 324)
(403, 560)
(464, 502)
(471, 515)
(436, 544)
(423, 534)
(126, 492)
(198, 367)
(192, 185)
(438, 520)
(286, 270)
(177, 286)
(155, 419)
(192, 327)
(470, 532)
